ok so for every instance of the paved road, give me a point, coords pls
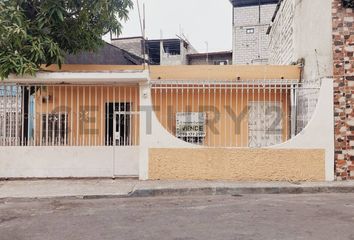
(321, 216)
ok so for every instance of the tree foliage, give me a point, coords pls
(37, 32)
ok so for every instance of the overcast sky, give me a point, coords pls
(199, 21)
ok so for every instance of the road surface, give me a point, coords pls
(317, 216)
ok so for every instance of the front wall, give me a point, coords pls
(237, 164)
(66, 162)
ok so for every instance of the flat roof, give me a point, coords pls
(210, 54)
(246, 3)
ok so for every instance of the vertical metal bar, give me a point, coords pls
(22, 114)
(96, 117)
(130, 116)
(83, 116)
(46, 118)
(253, 100)
(275, 111)
(136, 114)
(89, 116)
(65, 114)
(4, 115)
(221, 110)
(77, 114)
(264, 111)
(283, 112)
(59, 112)
(177, 107)
(71, 114)
(242, 109)
(41, 116)
(114, 114)
(10, 110)
(204, 114)
(16, 109)
(102, 118)
(286, 112)
(53, 117)
(258, 106)
(226, 125)
(125, 117)
(237, 114)
(248, 111)
(218, 111)
(107, 117)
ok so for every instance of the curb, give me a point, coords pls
(204, 191)
(213, 191)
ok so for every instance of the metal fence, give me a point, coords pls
(69, 115)
(255, 113)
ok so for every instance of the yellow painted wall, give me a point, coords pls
(237, 164)
(76, 100)
(197, 72)
(168, 102)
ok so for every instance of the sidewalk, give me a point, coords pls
(105, 188)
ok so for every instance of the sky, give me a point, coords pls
(200, 21)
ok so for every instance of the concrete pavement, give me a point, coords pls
(105, 188)
(241, 217)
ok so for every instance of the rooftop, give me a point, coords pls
(247, 3)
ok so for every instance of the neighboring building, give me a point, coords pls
(343, 65)
(158, 52)
(251, 19)
(301, 34)
(134, 45)
(106, 55)
(212, 58)
(319, 35)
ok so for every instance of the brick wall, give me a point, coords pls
(250, 48)
(343, 48)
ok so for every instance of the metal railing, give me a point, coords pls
(253, 113)
(69, 115)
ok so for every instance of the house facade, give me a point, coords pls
(130, 121)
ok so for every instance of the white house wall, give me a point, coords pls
(66, 162)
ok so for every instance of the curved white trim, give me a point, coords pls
(319, 132)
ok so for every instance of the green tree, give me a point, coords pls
(37, 32)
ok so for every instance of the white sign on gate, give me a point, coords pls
(190, 124)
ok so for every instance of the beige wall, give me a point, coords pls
(237, 164)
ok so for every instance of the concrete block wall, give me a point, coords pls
(302, 30)
(251, 48)
(282, 45)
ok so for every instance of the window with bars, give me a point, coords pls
(55, 129)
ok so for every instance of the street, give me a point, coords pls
(241, 217)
